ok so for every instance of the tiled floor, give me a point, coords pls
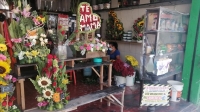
(131, 99)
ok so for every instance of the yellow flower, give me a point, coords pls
(120, 28)
(34, 53)
(3, 47)
(132, 60)
(43, 19)
(2, 95)
(65, 81)
(28, 54)
(8, 60)
(4, 68)
(3, 83)
(1, 109)
(141, 23)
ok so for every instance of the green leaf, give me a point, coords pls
(37, 87)
(2, 39)
(22, 27)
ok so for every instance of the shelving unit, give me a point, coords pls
(165, 35)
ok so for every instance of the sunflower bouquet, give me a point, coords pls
(28, 35)
(138, 28)
(114, 27)
(51, 84)
(6, 80)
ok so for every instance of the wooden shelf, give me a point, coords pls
(121, 41)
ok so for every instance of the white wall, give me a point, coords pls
(128, 17)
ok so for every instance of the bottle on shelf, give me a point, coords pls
(150, 65)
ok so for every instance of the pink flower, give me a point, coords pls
(14, 79)
(88, 48)
(81, 47)
(19, 40)
(2, 57)
(8, 77)
(25, 13)
(28, 44)
(44, 103)
(36, 21)
(97, 47)
(40, 104)
(140, 34)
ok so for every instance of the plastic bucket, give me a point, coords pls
(130, 80)
(120, 80)
(87, 71)
(176, 90)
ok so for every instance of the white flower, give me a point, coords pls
(103, 50)
(47, 93)
(41, 39)
(98, 35)
(92, 49)
(27, 8)
(14, 107)
(101, 45)
(33, 37)
(21, 55)
(44, 82)
(45, 40)
(43, 35)
(16, 10)
(42, 43)
(33, 42)
(50, 31)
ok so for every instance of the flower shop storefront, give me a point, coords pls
(49, 48)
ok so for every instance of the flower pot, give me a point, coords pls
(95, 7)
(101, 6)
(120, 80)
(107, 6)
(130, 80)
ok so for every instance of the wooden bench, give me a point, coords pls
(82, 100)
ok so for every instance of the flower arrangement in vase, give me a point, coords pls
(51, 84)
(131, 61)
(114, 27)
(27, 34)
(6, 80)
(138, 28)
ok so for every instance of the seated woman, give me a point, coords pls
(113, 51)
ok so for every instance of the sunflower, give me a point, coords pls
(120, 28)
(2, 96)
(8, 60)
(116, 20)
(3, 83)
(3, 47)
(141, 23)
(4, 68)
(44, 82)
(114, 14)
(47, 93)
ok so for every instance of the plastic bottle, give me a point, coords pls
(150, 65)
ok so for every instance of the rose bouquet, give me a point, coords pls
(51, 84)
(138, 28)
(122, 69)
(27, 34)
(6, 81)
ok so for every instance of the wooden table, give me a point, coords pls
(21, 78)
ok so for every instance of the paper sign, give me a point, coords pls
(163, 66)
(87, 21)
(155, 95)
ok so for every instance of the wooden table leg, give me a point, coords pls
(122, 101)
(101, 79)
(18, 90)
(109, 78)
(21, 81)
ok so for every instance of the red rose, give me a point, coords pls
(59, 26)
(58, 90)
(67, 97)
(49, 56)
(10, 103)
(54, 69)
(54, 78)
(4, 103)
(63, 32)
(54, 84)
(12, 98)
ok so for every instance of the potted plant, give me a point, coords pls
(107, 4)
(121, 70)
(138, 28)
(100, 4)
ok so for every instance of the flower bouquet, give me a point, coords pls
(138, 28)
(6, 81)
(27, 34)
(114, 27)
(122, 69)
(90, 45)
(51, 84)
(131, 61)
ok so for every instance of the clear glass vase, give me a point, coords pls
(61, 51)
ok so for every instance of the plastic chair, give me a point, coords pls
(72, 75)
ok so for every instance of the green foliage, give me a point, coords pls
(2, 39)
(37, 87)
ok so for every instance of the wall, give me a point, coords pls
(127, 17)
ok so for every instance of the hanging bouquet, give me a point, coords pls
(6, 80)
(114, 27)
(131, 61)
(28, 35)
(51, 84)
(91, 45)
(138, 28)
(122, 69)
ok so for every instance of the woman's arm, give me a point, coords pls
(117, 57)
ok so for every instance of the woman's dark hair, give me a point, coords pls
(114, 44)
